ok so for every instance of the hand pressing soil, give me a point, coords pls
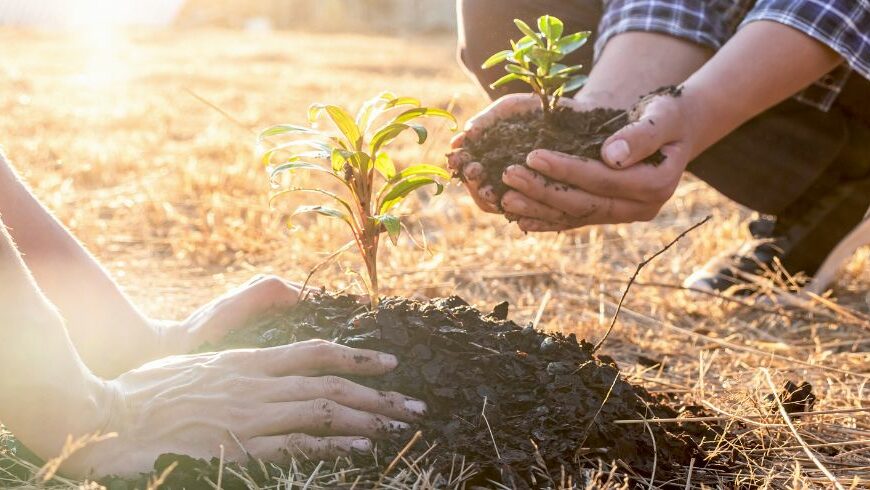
(549, 402)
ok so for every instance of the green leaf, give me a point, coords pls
(284, 129)
(544, 57)
(384, 165)
(300, 165)
(317, 145)
(395, 193)
(519, 70)
(422, 169)
(323, 211)
(335, 197)
(392, 225)
(569, 70)
(342, 121)
(361, 161)
(497, 58)
(338, 158)
(510, 77)
(373, 108)
(573, 42)
(418, 112)
(388, 133)
(551, 27)
(522, 26)
(574, 83)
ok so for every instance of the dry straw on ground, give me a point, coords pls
(168, 195)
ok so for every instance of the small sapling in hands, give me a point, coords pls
(535, 60)
(354, 155)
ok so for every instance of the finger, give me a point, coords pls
(285, 448)
(519, 206)
(657, 126)
(458, 159)
(321, 417)
(345, 392)
(487, 199)
(639, 183)
(583, 207)
(536, 225)
(236, 308)
(320, 357)
(503, 107)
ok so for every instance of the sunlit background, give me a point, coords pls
(98, 116)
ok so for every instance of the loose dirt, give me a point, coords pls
(508, 141)
(550, 403)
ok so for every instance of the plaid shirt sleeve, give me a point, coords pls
(706, 22)
(842, 25)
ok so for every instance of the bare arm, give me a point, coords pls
(96, 311)
(109, 332)
(763, 64)
(41, 376)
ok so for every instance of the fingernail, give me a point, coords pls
(415, 406)
(516, 205)
(473, 172)
(487, 194)
(617, 152)
(516, 173)
(389, 361)
(536, 161)
(396, 426)
(361, 445)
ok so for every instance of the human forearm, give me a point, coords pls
(46, 392)
(96, 312)
(634, 64)
(762, 65)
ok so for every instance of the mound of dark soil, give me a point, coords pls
(549, 401)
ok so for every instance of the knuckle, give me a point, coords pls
(324, 411)
(318, 347)
(274, 284)
(333, 385)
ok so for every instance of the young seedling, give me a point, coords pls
(535, 60)
(353, 156)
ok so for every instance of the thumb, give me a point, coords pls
(655, 128)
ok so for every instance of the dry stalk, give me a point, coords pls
(631, 280)
(809, 452)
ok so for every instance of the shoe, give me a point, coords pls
(811, 241)
(737, 272)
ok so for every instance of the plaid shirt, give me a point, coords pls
(842, 25)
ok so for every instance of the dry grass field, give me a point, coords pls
(169, 195)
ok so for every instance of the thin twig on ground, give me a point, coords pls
(640, 267)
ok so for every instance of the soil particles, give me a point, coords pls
(508, 141)
(550, 403)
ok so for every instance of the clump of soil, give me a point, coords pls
(549, 401)
(508, 141)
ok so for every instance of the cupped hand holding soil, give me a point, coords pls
(570, 169)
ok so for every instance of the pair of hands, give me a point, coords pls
(613, 190)
(273, 404)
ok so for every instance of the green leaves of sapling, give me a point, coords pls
(353, 155)
(535, 60)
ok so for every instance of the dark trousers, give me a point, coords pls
(779, 163)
